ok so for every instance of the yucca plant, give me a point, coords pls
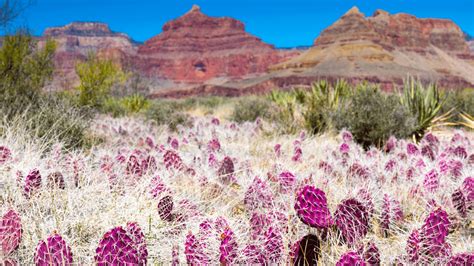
(322, 100)
(468, 120)
(288, 105)
(135, 103)
(425, 104)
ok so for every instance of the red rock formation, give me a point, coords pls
(74, 41)
(197, 48)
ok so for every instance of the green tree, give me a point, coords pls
(97, 77)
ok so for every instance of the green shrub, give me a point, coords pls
(97, 77)
(373, 117)
(168, 113)
(460, 101)
(249, 109)
(425, 103)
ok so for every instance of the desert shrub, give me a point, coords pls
(97, 76)
(249, 109)
(24, 71)
(286, 111)
(168, 113)
(459, 101)
(125, 106)
(320, 102)
(373, 117)
(424, 103)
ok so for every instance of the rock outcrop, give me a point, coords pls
(197, 48)
(74, 41)
(387, 48)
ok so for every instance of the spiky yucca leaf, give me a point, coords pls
(468, 120)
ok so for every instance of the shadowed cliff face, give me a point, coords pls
(198, 54)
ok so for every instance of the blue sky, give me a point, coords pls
(284, 23)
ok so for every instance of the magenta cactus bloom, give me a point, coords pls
(53, 251)
(165, 208)
(431, 181)
(10, 232)
(5, 154)
(228, 247)
(56, 180)
(351, 258)
(117, 247)
(32, 183)
(461, 259)
(135, 233)
(312, 208)
(258, 196)
(352, 220)
(226, 170)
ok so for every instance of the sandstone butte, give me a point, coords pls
(200, 55)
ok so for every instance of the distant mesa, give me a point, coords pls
(199, 54)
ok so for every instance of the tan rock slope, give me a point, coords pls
(386, 48)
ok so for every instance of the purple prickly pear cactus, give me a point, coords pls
(468, 191)
(258, 196)
(136, 234)
(273, 245)
(226, 170)
(194, 252)
(459, 202)
(175, 256)
(431, 181)
(352, 220)
(371, 254)
(53, 251)
(366, 198)
(253, 255)
(307, 250)
(258, 224)
(10, 232)
(172, 160)
(157, 187)
(312, 208)
(351, 258)
(413, 246)
(412, 149)
(461, 259)
(434, 231)
(165, 208)
(118, 247)
(32, 183)
(287, 181)
(228, 247)
(56, 180)
(5, 154)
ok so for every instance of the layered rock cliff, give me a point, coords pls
(387, 48)
(197, 48)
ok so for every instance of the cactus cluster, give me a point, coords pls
(10, 232)
(312, 208)
(53, 251)
(121, 246)
(352, 220)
